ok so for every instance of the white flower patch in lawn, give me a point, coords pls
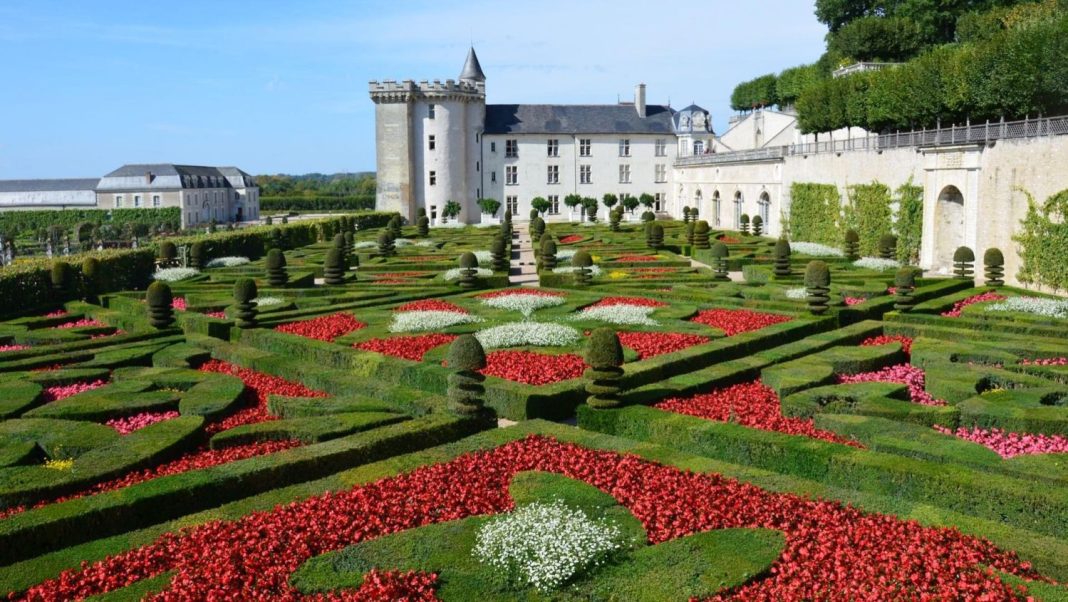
(796, 293)
(402, 242)
(520, 334)
(454, 273)
(175, 274)
(595, 270)
(265, 301)
(876, 263)
(366, 244)
(1049, 308)
(227, 262)
(814, 249)
(619, 314)
(421, 321)
(426, 243)
(565, 255)
(484, 257)
(523, 303)
(544, 545)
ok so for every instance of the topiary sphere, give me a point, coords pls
(466, 353)
(276, 259)
(468, 260)
(245, 290)
(159, 294)
(963, 254)
(817, 275)
(993, 257)
(603, 350)
(852, 236)
(720, 250)
(905, 278)
(701, 227)
(782, 248)
(582, 259)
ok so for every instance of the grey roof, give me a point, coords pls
(472, 70)
(577, 119)
(48, 185)
(163, 169)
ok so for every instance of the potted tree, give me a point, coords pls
(450, 211)
(490, 207)
(572, 201)
(630, 203)
(540, 204)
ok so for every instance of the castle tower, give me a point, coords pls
(427, 138)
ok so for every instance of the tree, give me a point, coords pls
(451, 209)
(878, 39)
(609, 200)
(489, 206)
(540, 205)
(630, 203)
(589, 204)
(795, 80)
(647, 200)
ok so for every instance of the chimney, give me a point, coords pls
(149, 176)
(639, 99)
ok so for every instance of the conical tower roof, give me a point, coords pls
(472, 70)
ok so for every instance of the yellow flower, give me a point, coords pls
(616, 275)
(67, 464)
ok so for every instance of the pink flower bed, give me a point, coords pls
(117, 332)
(1008, 445)
(83, 323)
(906, 374)
(127, 425)
(4, 348)
(959, 306)
(59, 313)
(906, 342)
(216, 314)
(179, 303)
(637, 258)
(851, 301)
(1054, 361)
(58, 392)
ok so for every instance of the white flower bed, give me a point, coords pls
(420, 321)
(595, 270)
(426, 243)
(227, 262)
(523, 303)
(452, 224)
(519, 334)
(402, 242)
(876, 263)
(1049, 308)
(544, 545)
(797, 293)
(619, 314)
(175, 274)
(815, 249)
(265, 301)
(366, 244)
(484, 257)
(454, 273)
(565, 255)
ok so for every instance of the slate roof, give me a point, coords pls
(163, 169)
(577, 119)
(472, 69)
(48, 185)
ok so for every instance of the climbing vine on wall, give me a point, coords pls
(868, 212)
(1043, 239)
(815, 213)
(909, 225)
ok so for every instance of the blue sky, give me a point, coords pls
(281, 87)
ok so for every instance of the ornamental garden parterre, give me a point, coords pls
(360, 409)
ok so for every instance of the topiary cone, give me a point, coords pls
(276, 268)
(904, 285)
(964, 263)
(499, 251)
(350, 243)
(656, 236)
(782, 259)
(689, 233)
(720, 256)
(244, 294)
(604, 356)
(994, 267)
(818, 285)
(465, 390)
(62, 277)
(334, 267)
(159, 301)
(700, 235)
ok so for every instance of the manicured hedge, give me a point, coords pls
(317, 203)
(31, 221)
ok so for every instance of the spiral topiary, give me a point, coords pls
(350, 243)
(743, 224)
(91, 275)
(423, 226)
(994, 266)
(700, 235)
(386, 248)
(614, 217)
(465, 390)
(244, 294)
(537, 228)
(720, 256)
(499, 251)
(277, 238)
(782, 258)
(655, 239)
(582, 262)
(604, 356)
(904, 285)
(852, 245)
(62, 277)
(685, 215)
(198, 255)
(818, 283)
(888, 246)
(276, 268)
(159, 302)
(548, 254)
(689, 233)
(335, 267)
(468, 270)
(758, 225)
(964, 263)
(168, 254)
(338, 241)
(395, 226)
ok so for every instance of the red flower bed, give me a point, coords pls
(639, 301)
(392, 281)
(651, 344)
(533, 368)
(654, 270)
(851, 301)
(4, 348)
(832, 551)
(383, 275)
(736, 321)
(179, 303)
(959, 306)
(430, 305)
(58, 392)
(906, 342)
(637, 258)
(729, 240)
(1053, 361)
(906, 374)
(570, 239)
(129, 424)
(260, 386)
(520, 291)
(749, 404)
(412, 347)
(323, 328)
(216, 314)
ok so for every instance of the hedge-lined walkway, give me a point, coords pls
(524, 270)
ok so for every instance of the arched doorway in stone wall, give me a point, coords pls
(948, 227)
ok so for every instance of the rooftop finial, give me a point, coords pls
(472, 70)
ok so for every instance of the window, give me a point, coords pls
(511, 149)
(553, 147)
(155, 200)
(624, 147)
(553, 175)
(137, 200)
(738, 210)
(661, 147)
(511, 203)
(431, 142)
(658, 202)
(511, 175)
(585, 176)
(624, 173)
(715, 208)
(554, 204)
(698, 147)
(493, 177)
(430, 111)
(433, 178)
(478, 166)
(764, 206)
(584, 147)
(493, 147)
(118, 201)
(661, 172)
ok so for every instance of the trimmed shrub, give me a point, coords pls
(782, 258)
(758, 225)
(689, 233)
(818, 285)
(604, 356)
(350, 243)
(721, 256)
(62, 278)
(276, 268)
(386, 248)
(168, 254)
(159, 300)
(91, 275)
(994, 267)
(395, 226)
(244, 293)
(614, 217)
(700, 235)
(334, 267)
(852, 245)
(964, 263)
(888, 247)
(905, 284)
(197, 256)
(548, 254)
(685, 215)
(499, 251)
(537, 228)
(582, 261)
(277, 238)
(468, 270)
(743, 223)
(466, 358)
(655, 239)
(422, 226)
(648, 216)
